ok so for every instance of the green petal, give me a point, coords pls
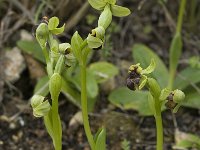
(119, 11)
(94, 42)
(97, 4)
(150, 68)
(57, 31)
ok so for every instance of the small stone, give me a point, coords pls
(14, 64)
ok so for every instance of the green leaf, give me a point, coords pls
(143, 55)
(126, 99)
(74, 95)
(42, 86)
(100, 143)
(94, 42)
(119, 11)
(48, 124)
(105, 18)
(92, 86)
(76, 42)
(175, 52)
(53, 23)
(71, 93)
(103, 71)
(187, 77)
(97, 4)
(192, 99)
(32, 48)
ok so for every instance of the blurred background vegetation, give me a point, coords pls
(146, 33)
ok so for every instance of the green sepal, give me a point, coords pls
(119, 11)
(99, 32)
(97, 4)
(143, 82)
(150, 68)
(53, 23)
(40, 107)
(164, 94)
(94, 42)
(112, 2)
(100, 139)
(42, 33)
(57, 31)
(63, 47)
(36, 100)
(105, 18)
(55, 85)
(76, 42)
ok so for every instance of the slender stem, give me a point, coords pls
(171, 79)
(56, 124)
(159, 125)
(159, 132)
(180, 16)
(84, 107)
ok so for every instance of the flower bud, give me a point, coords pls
(179, 96)
(40, 107)
(98, 32)
(42, 33)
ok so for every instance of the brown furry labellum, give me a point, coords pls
(170, 103)
(133, 80)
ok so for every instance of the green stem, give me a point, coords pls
(159, 132)
(180, 16)
(57, 133)
(85, 107)
(159, 125)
